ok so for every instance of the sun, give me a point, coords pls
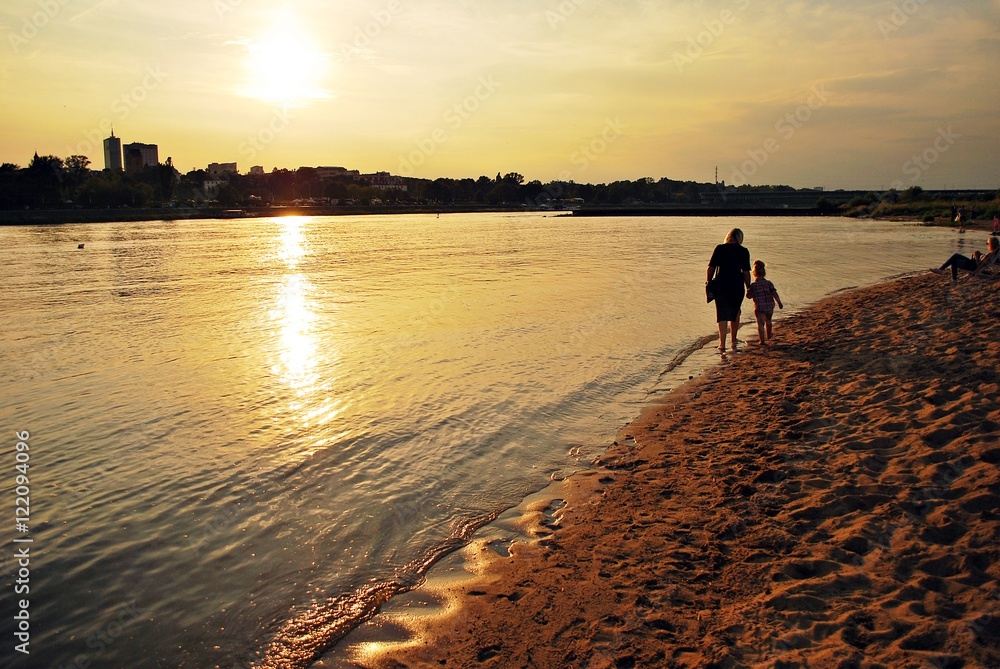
(285, 67)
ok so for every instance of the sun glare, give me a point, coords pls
(285, 67)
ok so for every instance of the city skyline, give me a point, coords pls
(855, 96)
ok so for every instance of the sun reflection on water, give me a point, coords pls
(298, 344)
(293, 240)
(300, 365)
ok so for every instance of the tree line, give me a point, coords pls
(53, 182)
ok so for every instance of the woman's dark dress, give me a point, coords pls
(731, 260)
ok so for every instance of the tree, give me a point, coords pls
(229, 196)
(77, 163)
(110, 188)
(45, 180)
(167, 177)
(439, 190)
(75, 173)
(825, 206)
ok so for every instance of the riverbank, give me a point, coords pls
(833, 500)
(128, 215)
(62, 216)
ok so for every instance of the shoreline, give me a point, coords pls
(855, 518)
(22, 217)
(18, 217)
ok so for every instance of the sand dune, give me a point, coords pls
(831, 501)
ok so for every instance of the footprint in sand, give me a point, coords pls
(806, 569)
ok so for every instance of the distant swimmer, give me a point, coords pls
(79, 246)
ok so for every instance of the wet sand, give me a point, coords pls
(830, 501)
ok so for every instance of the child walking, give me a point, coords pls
(764, 297)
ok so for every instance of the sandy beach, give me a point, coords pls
(830, 501)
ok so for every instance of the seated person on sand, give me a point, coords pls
(978, 264)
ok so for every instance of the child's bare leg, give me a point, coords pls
(767, 321)
(760, 326)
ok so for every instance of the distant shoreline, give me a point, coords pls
(66, 216)
(126, 215)
(15, 217)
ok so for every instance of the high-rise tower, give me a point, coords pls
(113, 152)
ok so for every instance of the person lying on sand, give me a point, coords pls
(978, 264)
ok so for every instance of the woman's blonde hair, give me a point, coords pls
(735, 235)
(759, 269)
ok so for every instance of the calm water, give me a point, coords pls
(243, 427)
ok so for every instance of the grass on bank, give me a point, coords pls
(914, 204)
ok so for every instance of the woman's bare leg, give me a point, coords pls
(723, 331)
(734, 327)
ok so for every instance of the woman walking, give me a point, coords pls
(730, 269)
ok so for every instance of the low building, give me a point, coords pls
(385, 181)
(222, 169)
(256, 171)
(213, 186)
(336, 172)
(139, 156)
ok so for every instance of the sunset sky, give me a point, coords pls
(849, 94)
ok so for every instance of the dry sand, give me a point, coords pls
(831, 501)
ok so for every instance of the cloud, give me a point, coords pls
(565, 66)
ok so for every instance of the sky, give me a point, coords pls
(852, 94)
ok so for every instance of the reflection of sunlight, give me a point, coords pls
(292, 240)
(301, 365)
(298, 346)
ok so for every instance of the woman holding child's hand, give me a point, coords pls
(730, 267)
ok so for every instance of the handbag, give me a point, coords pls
(710, 290)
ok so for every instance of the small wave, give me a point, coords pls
(686, 353)
(303, 638)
